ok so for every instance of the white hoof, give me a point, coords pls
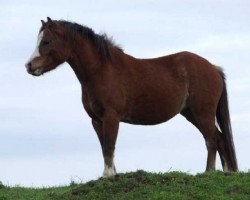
(109, 171)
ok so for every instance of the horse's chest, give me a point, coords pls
(91, 106)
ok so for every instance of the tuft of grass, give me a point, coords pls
(142, 185)
(1, 185)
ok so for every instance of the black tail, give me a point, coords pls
(223, 119)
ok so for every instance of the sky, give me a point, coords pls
(46, 137)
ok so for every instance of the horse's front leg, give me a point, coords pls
(107, 130)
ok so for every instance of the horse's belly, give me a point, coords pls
(143, 120)
(152, 112)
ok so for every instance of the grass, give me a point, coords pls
(142, 185)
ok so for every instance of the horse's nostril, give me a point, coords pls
(28, 65)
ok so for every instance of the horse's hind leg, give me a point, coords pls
(187, 113)
(206, 124)
(222, 149)
(215, 140)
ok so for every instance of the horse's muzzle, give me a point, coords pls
(35, 72)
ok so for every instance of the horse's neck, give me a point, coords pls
(84, 60)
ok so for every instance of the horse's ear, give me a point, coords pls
(50, 23)
(43, 22)
(49, 19)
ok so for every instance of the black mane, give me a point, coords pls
(101, 41)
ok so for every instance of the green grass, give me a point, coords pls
(142, 185)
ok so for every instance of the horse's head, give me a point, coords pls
(51, 49)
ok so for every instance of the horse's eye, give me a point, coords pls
(45, 43)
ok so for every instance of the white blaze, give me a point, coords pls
(36, 53)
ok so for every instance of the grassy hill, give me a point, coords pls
(143, 185)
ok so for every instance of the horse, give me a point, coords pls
(117, 87)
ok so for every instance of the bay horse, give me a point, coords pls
(117, 87)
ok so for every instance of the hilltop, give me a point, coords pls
(143, 185)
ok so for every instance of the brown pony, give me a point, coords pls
(117, 87)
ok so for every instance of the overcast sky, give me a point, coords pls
(46, 137)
